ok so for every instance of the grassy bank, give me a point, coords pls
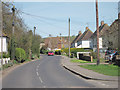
(110, 70)
(83, 61)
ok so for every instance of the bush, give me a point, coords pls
(6, 55)
(20, 54)
(74, 51)
(58, 52)
(94, 54)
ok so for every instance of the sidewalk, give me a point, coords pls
(89, 74)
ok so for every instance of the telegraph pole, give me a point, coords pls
(13, 30)
(97, 26)
(34, 31)
(69, 38)
(1, 29)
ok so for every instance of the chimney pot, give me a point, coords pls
(79, 32)
(87, 28)
(102, 23)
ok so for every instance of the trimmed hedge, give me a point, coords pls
(20, 54)
(75, 50)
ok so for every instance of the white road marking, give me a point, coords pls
(37, 73)
(40, 79)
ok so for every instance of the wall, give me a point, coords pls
(4, 44)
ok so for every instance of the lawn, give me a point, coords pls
(110, 70)
(79, 61)
(83, 61)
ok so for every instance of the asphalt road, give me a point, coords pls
(44, 73)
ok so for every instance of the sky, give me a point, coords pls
(52, 17)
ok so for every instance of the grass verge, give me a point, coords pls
(110, 70)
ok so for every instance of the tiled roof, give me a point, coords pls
(101, 28)
(86, 35)
(77, 38)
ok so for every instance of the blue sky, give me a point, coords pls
(54, 16)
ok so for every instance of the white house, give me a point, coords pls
(74, 42)
(84, 40)
(102, 40)
(3, 43)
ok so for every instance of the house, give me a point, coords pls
(84, 41)
(3, 43)
(102, 39)
(74, 42)
(112, 35)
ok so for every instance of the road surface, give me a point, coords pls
(44, 73)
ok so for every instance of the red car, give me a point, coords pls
(50, 53)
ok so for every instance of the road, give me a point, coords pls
(44, 73)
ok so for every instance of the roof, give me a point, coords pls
(77, 38)
(101, 28)
(86, 35)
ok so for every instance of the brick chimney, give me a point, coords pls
(102, 23)
(87, 28)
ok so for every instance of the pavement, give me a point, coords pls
(85, 73)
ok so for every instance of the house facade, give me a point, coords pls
(112, 35)
(102, 37)
(4, 43)
(84, 41)
(74, 42)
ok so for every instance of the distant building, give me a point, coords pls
(84, 40)
(102, 37)
(54, 43)
(5, 43)
(74, 42)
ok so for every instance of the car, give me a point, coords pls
(50, 53)
(113, 56)
(107, 53)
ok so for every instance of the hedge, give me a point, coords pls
(20, 54)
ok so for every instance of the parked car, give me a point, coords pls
(50, 53)
(112, 56)
(107, 53)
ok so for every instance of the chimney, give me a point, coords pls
(87, 28)
(102, 23)
(79, 32)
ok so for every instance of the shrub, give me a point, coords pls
(94, 54)
(58, 52)
(75, 50)
(20, 54)
(6, 55)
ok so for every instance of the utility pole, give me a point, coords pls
(97, 26)
(1, 28)
(69, 38)
(61, 40)
(50, 44)
(13, 30)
